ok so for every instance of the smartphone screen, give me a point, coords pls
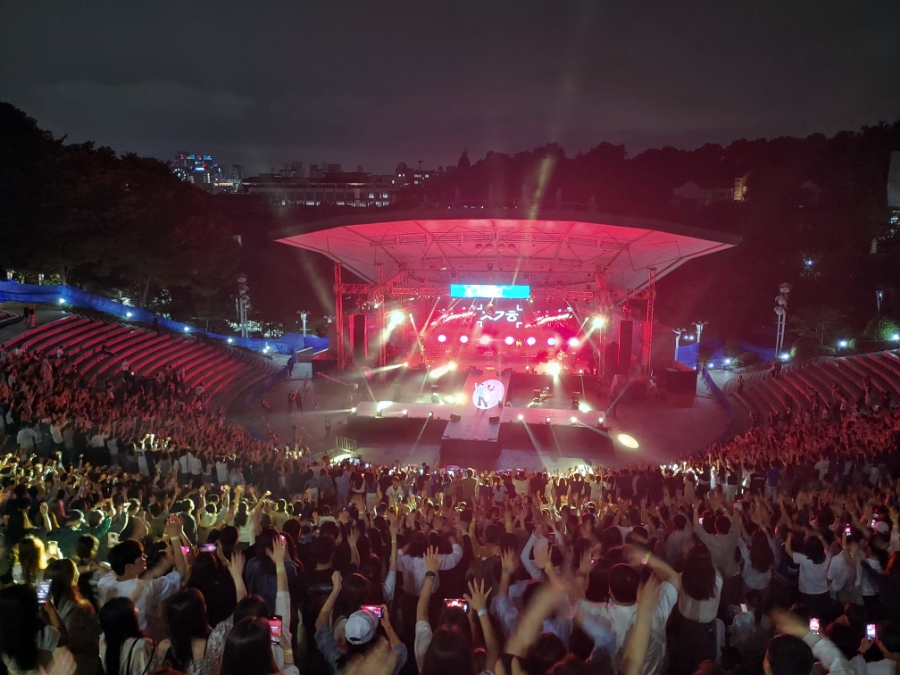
(43, 590)
(374, 609)
(870, 632)
(814, 625)
(275, 628)
(208, 548)
(185, 549)
(743, 608)
(459, 603)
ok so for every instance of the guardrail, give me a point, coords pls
(723, 402)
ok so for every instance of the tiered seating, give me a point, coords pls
(817, 378)
(98, 349)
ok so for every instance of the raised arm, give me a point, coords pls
(432, 565)
(478, 598)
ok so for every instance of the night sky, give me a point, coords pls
(374, 83)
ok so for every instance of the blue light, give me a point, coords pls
(489, 291)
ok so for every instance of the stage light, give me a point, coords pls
(599, 420)
(547, 420)
(598, 322)
(785, 356)
(628, 441)
(554, 368)
(405, 364)
(727, 362)
(581, 371)
(530, 341)
(230, 340)
(573, 419)
(464, 338)
(895, 337)
(406, 413)
(521, 417)
(509, 340)
(452, 365)
(442, 338)
(842, 344)
(128, 314)
(381, 405)
(186, 329)
(485, 339)
(396, 319)
(551, 341)
(353, 411)
(430, 414)
(573, 342)
(62, 301)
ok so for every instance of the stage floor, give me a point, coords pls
(665, 430)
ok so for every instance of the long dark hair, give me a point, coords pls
(63, 581)
(761, 556)
(119, 623)
(19, 625)
(698, 580)
(248, 649)
(186, 616)
(215, 583)
(449, 653)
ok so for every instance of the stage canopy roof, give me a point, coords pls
(503, 246)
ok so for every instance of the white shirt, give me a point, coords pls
(620, 618)
(752, 576)
(839, 572)
(222, 472)
(152, 594)
(813, 580)
(413, 569)
(868, 589)
(195, 466)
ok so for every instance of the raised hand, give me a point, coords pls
(477, 595)
(432, 562)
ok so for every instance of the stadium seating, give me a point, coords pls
(98, 349)
(818, 378)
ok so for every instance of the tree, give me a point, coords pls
(819, 322)
(464, 162)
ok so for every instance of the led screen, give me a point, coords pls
(489, 291)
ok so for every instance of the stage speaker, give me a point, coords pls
(626, 328)
(494, 419)
(455, 417)
(360, 348)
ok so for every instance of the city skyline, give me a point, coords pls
(374, 86)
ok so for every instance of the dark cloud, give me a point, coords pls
(376, 83)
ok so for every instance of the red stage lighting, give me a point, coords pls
(530, 341)
(442, 338)
(510, 340)
(573, 342)
(485, 339)
(551, 341)
(464, 338)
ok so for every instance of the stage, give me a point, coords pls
(517, 330)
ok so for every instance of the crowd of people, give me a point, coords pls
(143, 534)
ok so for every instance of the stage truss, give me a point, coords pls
(568, 256)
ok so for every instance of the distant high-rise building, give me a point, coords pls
(203, 172)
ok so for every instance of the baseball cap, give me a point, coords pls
(882, 527)
(361, 627)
